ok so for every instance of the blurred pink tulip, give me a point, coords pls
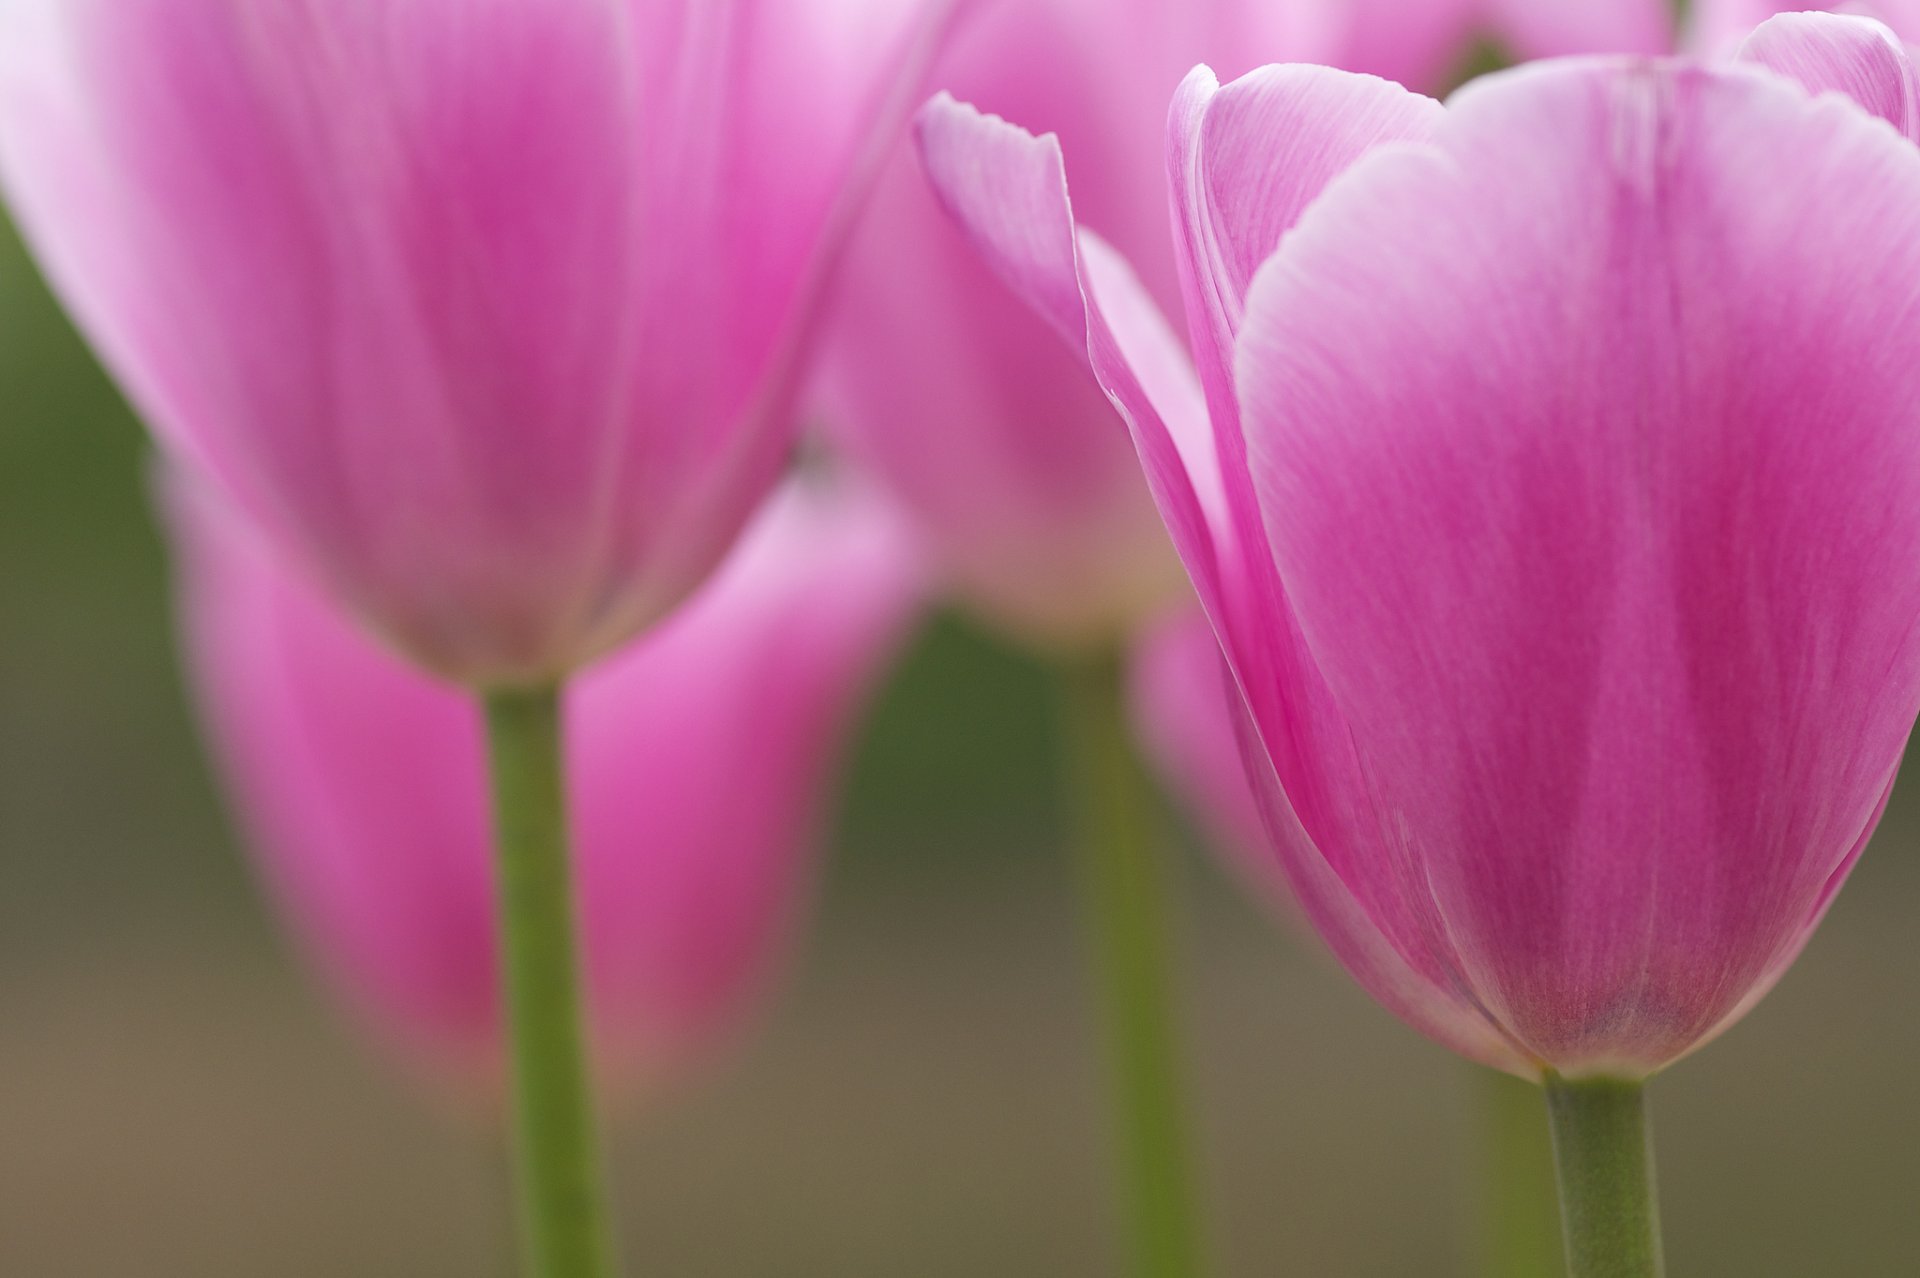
(1420, 42)
(485, 309)
(1185, 711)
(1001, 444)
(1558, 510)
(700, 760)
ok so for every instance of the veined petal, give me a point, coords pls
(1858, 57)
(1585, 444)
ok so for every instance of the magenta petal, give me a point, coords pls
(1584, 444)
(1855, 56)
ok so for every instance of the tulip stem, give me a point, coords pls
(1520, 1208)
(1604, 1150)
(1127, 933)
(564, 1229)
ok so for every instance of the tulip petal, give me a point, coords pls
(1584, 445)
(1007, 189)
(1858, 57)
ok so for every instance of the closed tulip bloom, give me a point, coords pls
(701, 761)
(1556, 502)
(487, 310)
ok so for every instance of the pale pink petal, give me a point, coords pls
(1856, 57)
(1584, 445)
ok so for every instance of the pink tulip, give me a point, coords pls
(700, 760)
(1558, 510)
(1185, 711)
(487, 310)
(1420, 42)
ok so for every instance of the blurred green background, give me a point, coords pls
(176, 1101)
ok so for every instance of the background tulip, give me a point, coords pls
(999, 443)
(1186, 712)
(701, 764)
(1421, 42)
(489, 312)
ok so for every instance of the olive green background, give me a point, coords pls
(176, 1101)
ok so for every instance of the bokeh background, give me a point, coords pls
(924, 1101)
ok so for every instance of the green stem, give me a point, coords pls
(1604, 1149)
(1127, 927)
(563, 1213)
(1521, 1210)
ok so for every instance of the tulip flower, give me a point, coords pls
(1550, 477)
(487, 312)
(702, 761)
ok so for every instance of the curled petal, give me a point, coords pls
(1857, 57)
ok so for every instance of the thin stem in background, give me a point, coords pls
(1604, 1150)
(564, 1221)
(1118, 832)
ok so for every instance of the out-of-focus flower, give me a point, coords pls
(1558, 511)
(487, 310)
(1418, 42)
(1000, 443)
(700, 761)
(1185, 711)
